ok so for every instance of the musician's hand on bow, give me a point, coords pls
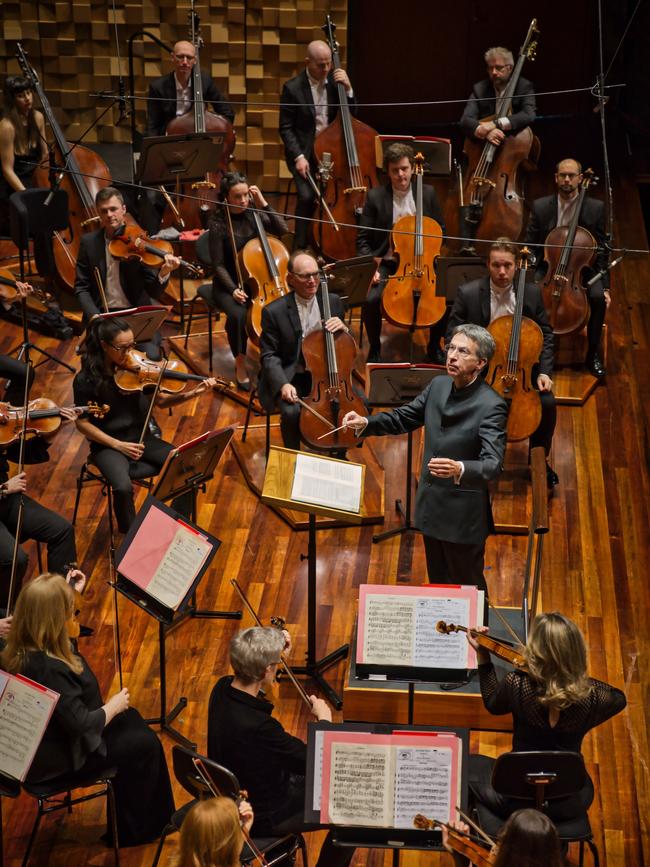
(355, 421)
(170, 263)
(320, 709)
(376, 277)
(495, 136)
(444, 468)
(334, 324)
(133, 451)
(302, 166)
(287, 642)
(240, 296)
(246, 815)
(16, 484)
(258, 199)
(340, 76)
(544, 382)
(289, 393)
(24, 288)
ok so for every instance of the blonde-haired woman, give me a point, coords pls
(211, 833)
(554, 703)
(85, 734)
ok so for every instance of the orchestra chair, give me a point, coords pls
(32, 220)
(275, 849)
(9, 788)
(204, 293)
(48, 796)
(541, 777)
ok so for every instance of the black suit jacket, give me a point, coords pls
(281, 343)
(543, 218)
(482, 103)
(378, 214)
(140, 283)
(468, 425)
(161, 107)
(298, 116)
(472, 304)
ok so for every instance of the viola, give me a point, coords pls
(460, 842)
(9, 291)
(503, 649)
(569, 251)
(519, 342)
(409, 299)
(131, 242)
(330, 360)
(43, 419)
(139, 372)
(350, 145)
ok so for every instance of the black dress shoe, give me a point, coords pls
(374, 356)
(552, 478)
(85, 631)
(244, 384)
(154, 428)
(595, 366)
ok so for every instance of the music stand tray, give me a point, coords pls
(436, 152)
(166, 158)
(144, 321)
(192, 464)
(351, 279)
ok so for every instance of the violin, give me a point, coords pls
(132, 242)
(138, 372)
(350, 145)
(409, 299)
(519, 342)
(9, 291)
(503, 649)
(43, 419)
(568, 252)
(330, 359)
(457, 840)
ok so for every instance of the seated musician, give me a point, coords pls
(309, 104)
(558, 210)
(22, 142)
(269, 763)
(117, 445)
(383, 208)
(527, 839)
(227, 295)
(285, 322)
(483, 300)
(482, 102)
(86, 734)
(553, 703)
(124, 283)
(211, 833)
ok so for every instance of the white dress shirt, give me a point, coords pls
(502, 301)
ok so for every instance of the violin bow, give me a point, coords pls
(475, 827)
(316, 413)
(156, 391)
(235, 254)
(100, 286)
(505, 624)
(322, 201)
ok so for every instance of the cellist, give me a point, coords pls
(309, 103)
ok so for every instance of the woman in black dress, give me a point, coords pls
(226, 294)
(86, 734)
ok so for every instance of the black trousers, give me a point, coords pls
(305, 204)
(235, 320)
(543, 436)
(16, 372)
(41, 524)
(597, 310)
(290, 412)
(454, 562)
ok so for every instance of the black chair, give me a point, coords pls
(535, 779)
(49, 799)
(31, 219)
(9, 788)
(275, 849)
(204, 293)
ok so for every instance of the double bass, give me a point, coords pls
(409, 299)
(519, 343)
(350, 146)
(569, 251)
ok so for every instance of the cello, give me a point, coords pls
(330, 359)
(569, 251)
(409, 299)
(493, 193)
(350, 145)
(519, 343)
(84, 174)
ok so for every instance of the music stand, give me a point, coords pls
(167, 159)
(436, 152)
(453, 271)
(144, 321)
(395, 385)
(351, 279)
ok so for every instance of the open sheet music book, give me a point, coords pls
(326, 482)
(25, 711)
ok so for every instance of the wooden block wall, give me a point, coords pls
(251, 48)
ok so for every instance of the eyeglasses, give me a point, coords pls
(313, 275)
(497, 67)
(569, 175)
(463, 351)
(122, 349)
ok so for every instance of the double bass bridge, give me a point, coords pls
(349, 190)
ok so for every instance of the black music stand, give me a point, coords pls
(453, 271)
(436, 152)
(395, 385)
(351, 279)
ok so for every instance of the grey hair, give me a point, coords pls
(251, 650)
(499, 51)
(481, 337)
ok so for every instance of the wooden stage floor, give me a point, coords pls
(595, 569)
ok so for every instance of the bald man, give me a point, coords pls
(309, 104)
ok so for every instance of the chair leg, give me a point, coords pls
(165, 833)
(210, 347)
(32, 836)
(189, 321)
(39, 557)
(268, 436)
(80, 481)
(110, 810)
(249, 409)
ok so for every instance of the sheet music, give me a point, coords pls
(327, 483)
(430, 647)
(318, 769)
(388, 633)
(422, 785)
(179, 566)
(360, 790)
(25, 710)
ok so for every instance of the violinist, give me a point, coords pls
(464, 442)
(126, 283)
(244, 736)
(117, 445)
(86, 734)
(558, 210)
(383, 208)
(22, 142)
(554, 704)
(309, 104)
(285, 322)
(483, 101)
(528, 839)
(211, 833)
(483, 300)
(227, 295)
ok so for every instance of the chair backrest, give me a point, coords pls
(223, 780)
(517, 775)
(202, 250)
(31, 217)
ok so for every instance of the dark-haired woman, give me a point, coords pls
(528, 839)
(240, 197)
(114, 439)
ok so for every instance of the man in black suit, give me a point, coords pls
(464, 442)
(483, 300)
(383, 208)
(309, 104)
(285, 322)
(124, 283)
(558, 210)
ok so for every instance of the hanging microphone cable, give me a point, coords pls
(121, 99)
